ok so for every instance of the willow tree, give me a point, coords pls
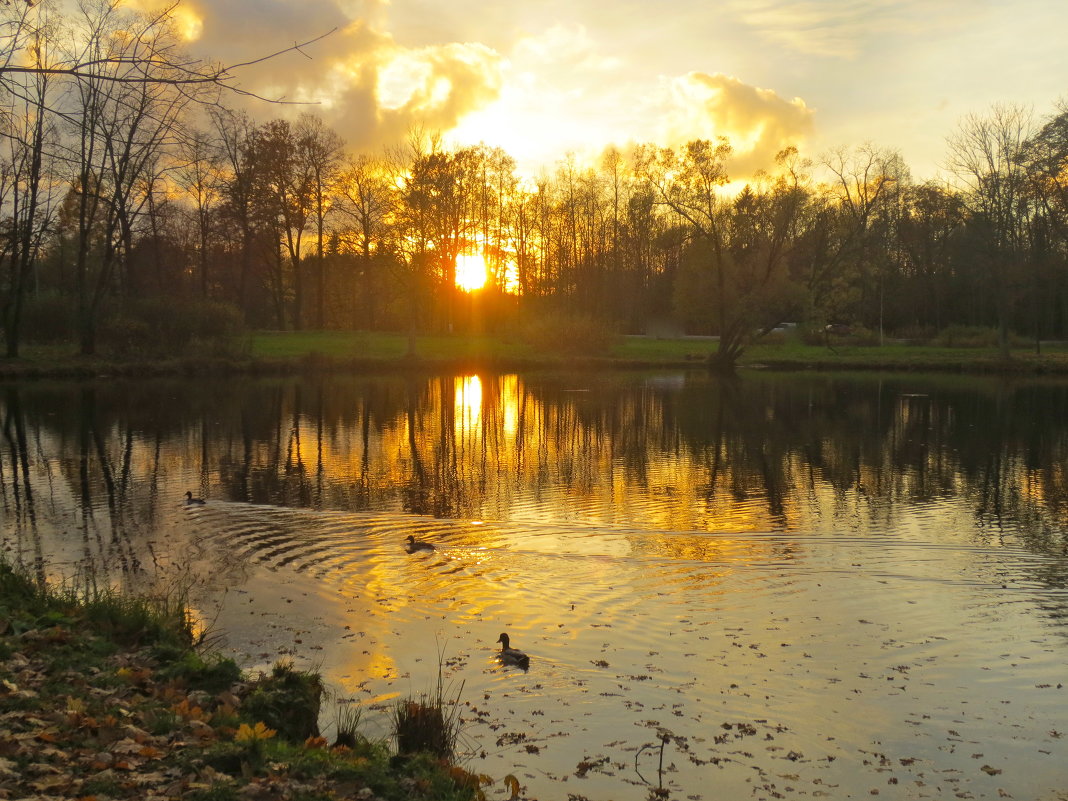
(689, 181)
(738, 247)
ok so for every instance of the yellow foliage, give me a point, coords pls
(133, 675)
(471, 781)
(250, 734)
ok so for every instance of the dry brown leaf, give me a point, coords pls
(46, 783)
(136, 734)
(125, 746)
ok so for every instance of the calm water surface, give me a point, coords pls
(799, 586)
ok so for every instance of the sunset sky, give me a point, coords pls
(544, 77)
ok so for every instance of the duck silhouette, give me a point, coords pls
(191, 501)
(413, 545)
(512, 656)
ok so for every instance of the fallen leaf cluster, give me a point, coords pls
(83, 716)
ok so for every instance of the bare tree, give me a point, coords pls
(988, 156)
(865, 180)
(122, 127)
(319, 150)
(199, 176)
(27, 191)
(366, 199)
(243, 210)
(287, 180)
(1047, 163)
(20, 26)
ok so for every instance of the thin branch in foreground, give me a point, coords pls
(191, 73)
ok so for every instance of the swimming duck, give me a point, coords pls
(512, 656)
(191, 501)
(414, 545)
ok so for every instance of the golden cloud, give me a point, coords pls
(187, 20)
(758, 122)
(382, 90)
(440, 83)
(364, 83)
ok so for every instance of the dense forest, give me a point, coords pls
(141, 210)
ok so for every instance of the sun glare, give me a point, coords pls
(471, 271)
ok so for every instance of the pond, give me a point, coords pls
(775, 586)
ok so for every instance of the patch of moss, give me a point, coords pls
(287, 700)
(212, 673)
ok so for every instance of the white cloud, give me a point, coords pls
(845, 28)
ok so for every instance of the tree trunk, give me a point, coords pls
(298, 294)
(86, 333)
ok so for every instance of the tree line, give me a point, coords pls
(134, 200)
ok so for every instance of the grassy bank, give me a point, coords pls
(106, 696)
(636, 351)
(285, 352)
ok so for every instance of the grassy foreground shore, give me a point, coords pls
(104, 696)
(268, 352)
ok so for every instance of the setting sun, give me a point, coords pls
(471, 273)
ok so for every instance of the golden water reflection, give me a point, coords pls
(679, 452)
(675, 550)
(468, 403)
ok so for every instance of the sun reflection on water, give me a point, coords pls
(468, 402)
(823, 577)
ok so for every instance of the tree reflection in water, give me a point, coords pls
(791, 548)
(778, 453)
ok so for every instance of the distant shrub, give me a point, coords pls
(812, 334)
(972, 336)
(48, 318)
(159, 327)
(774, 338)
(569, 334)
(781, 334)
(859, 335)
(916, 334)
